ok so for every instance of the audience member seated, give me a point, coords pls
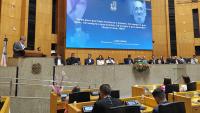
(106, 101)
(182, 60)
(58, 60)
(73, 60)
(19, 47)
(128, 60)
(160, 98)
(76, 89)
(138, 60)
(177, 60)
(194, 60)
(89, 60)
(154, 60)
(161, 60)
(110, 61)
(144, 60)
(169, 60)
(100, 60)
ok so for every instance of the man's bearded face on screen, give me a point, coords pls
(76, 8)
(139, 11)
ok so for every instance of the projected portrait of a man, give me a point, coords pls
(138, 10)
(76, 8)
(75, 11)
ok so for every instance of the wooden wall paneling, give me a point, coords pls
(184, 29)
(10, 22)
(61, 28)
(159, 27)
(43, 26)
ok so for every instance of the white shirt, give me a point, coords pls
(183, 88)
(59, 62)
(193, 61)
(110, 61)
(100, 62)
(23, 46)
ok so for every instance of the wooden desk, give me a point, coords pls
(82, 90)
(6, 105)
(138, 90)
(148, 103)
(190, 98)
(57, 104)
(32, 53)
(198, 85)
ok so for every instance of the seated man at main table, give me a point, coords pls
(110, 61)
(73, 60)
(105, 101)
(160, 98)
(128, 60)
(89, 60)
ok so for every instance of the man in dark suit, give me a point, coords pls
(18, 47)
(128, 60)
(73, 60)
(58, 60)
(160, 98)
(105, 101)
(89, 60)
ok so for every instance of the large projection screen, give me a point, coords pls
(109, 24)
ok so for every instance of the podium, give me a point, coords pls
(32, 53)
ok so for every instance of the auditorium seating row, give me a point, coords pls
(191, 99)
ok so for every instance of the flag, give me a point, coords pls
(4, 53)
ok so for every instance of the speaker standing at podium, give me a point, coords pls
(18, 47)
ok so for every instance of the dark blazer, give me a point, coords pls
(18, 50)
(101, 106)
(128, 61)
(72, 61)
(87, 62)
(156, 110)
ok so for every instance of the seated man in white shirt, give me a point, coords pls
(110, 61)
(194, 60)
(100, 60)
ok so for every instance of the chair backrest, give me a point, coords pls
(191, 86)
(171, 88)
(124, 109)
(167, 81)
(79, 97)
(175, 107)
(115, 94)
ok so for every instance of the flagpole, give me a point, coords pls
(4, 52)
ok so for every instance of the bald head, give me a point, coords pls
(22, 39)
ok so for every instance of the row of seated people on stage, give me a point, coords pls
(73, 60)
(106, 101)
